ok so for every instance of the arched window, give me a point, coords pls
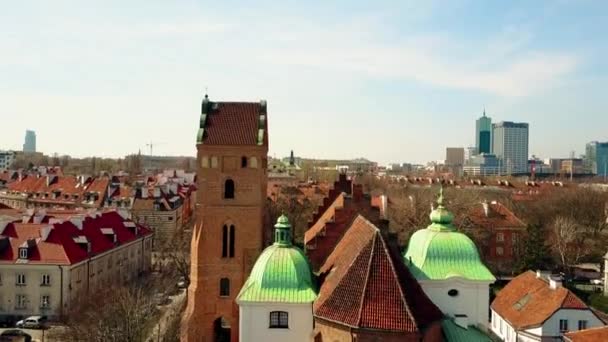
(243, 162)
(204, 162)
(231, 244)
(253, 162)
(224, 287)
(279, 320)
(214, 162)
(229, 188)
(224, 241)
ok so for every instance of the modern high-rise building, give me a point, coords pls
(30, 141)
(454, 156)
(596, 158)
(483, 134)
(510, 145)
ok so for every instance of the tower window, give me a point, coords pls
(243, 162)
(231, 242)
(224, 287)
(204, 162)
(279, 320)
(253, 162)
(224, 241)
(228, 239)
(229, 188)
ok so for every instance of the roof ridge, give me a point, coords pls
(399, 285)
(369, 266)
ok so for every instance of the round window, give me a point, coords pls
(453, 293)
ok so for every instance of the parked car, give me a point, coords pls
(8, 321)
(32, 322)
(597, 281)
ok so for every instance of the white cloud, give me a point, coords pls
(502, 67)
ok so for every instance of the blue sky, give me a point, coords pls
(392, 81)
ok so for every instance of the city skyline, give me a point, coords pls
(114, 78)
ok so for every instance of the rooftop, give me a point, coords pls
(528, 301)
(366, 286)
(233, 123)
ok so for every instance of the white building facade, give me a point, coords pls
(553, 328)
(274, 322)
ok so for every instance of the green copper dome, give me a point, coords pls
(440, 252)
(282, 273)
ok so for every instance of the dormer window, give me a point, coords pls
(23, 253)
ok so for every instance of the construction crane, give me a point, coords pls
(151, 146)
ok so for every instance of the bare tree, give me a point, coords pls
(175, 255)
(115, 315)
(569, 241)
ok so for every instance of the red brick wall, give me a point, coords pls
(245, 212)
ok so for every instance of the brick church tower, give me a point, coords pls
(232, 144)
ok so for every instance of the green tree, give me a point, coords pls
(534, 253)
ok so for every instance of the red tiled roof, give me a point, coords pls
(66, 184)
(59, 247)
(498, 216)
(368, 287)
(234, 123)
(587, 335)
(528, 301)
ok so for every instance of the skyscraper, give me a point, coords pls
(30, 141)
(596, 158)
(483, 134)
(510, 145)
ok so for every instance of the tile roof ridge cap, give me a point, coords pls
(365, 284)
(399, 285)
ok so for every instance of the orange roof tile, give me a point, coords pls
(587, 335)
(498, 216)
(528, 301)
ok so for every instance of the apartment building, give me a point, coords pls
(49, 263)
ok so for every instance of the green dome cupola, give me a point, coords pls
(440, 252)
(282, 273)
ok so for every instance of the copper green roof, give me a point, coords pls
(440, 252)
(456, 333)
(281, 274)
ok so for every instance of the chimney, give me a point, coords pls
(486, 208)
(384, 207)
(542, 274)
(554, 283)
(461, 320)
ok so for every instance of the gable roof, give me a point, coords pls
(528, 301)
(233, 123)
(587, 335)
(57, 243)
(498, 216)
(368, 287)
